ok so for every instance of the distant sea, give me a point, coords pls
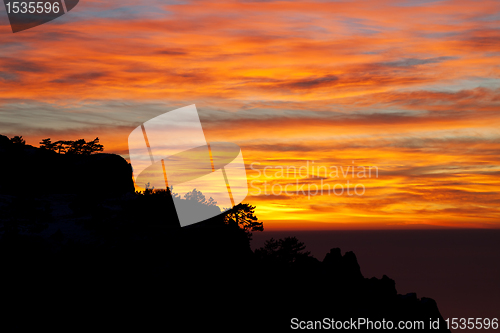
(458, 268)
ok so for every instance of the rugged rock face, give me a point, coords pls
(69, 235)
(39, 171)
(343, 266)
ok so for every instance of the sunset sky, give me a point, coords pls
(410, 88)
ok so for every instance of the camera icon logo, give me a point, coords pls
(170, 151)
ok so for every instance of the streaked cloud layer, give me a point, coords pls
(411, 87)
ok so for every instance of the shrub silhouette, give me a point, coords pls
(285, 251)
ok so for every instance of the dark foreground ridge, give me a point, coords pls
(81, 250)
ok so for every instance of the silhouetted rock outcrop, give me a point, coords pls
(26, 168)
(104, 256)
(343, 267)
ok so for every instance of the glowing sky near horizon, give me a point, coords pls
(411, 87)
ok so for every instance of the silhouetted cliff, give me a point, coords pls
(81, 250)
(26, 168)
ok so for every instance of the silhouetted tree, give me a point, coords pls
(62, 146)
(243, 215)
(92, 147)
(199, 197)
(76, 147)
(47, 144)
(158, 192)
(18, 140)
(79, 147)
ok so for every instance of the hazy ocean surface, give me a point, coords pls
(460, 269)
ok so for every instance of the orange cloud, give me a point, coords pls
(409, 87)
